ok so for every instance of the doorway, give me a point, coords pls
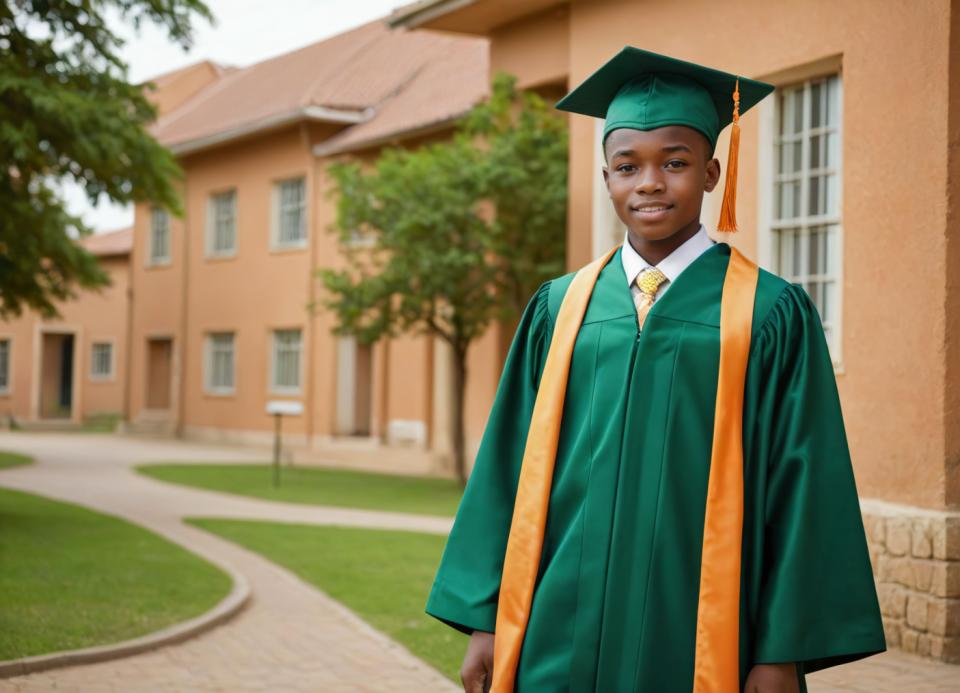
(354, 388)
(159, 372)
(56, 376)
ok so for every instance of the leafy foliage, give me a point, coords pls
(446, 238)
(68, 112)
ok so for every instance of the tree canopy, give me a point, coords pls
(445, 238)
(69, 112)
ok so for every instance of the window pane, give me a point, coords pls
(830, 204)
(816, 118)
(291, 213)
(4, 364)
(224, 231)
(829, 298)
(286, 358)
(159, 235)
(815, 195)
(833, 101)
(221, 361)
(808, 153)
(101, 358)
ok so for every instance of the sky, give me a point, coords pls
(246, 32)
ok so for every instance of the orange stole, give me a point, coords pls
(717, 630)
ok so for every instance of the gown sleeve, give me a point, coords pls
(467, 584)
(817, 603)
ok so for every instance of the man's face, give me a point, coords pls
(657, 178)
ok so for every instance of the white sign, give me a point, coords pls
(288, 407)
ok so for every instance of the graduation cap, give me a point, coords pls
(642, 90)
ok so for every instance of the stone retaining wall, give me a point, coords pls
(916, 562)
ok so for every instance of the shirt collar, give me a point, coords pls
(673, 264)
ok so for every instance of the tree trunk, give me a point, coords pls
(457, 422)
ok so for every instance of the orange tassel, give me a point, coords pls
(728, 210)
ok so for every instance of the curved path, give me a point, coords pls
(292, 637)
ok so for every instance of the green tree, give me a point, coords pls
(444, 239)
(69, 112)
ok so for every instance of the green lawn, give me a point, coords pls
(313, 486)
(71, 577)
(383, 576)
(12, 459)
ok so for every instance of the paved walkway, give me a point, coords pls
(292, 637)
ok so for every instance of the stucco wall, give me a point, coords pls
(894, 207)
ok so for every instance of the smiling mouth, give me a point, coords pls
(651, 209)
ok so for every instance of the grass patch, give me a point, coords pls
(313, 486)
(13, 459)
(104, 422)
(71, 577)
(384, 576)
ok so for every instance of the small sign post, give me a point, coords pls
(277, 408)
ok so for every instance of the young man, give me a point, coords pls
(686, 517)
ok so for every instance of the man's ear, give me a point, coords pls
(606, 178)
(713, 175)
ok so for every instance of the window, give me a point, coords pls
(101, 361)
(4, 366)
(285, 375)
(290, 215)
(220, 363)
(222, 224)
(805, 229)
(159, 236)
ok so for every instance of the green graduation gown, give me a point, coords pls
(615, 606)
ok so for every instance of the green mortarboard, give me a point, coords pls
(642, 90)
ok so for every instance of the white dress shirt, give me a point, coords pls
(671, 266)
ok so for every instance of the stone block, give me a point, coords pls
(893, 600)
(943, 616)
(895, 569)
(945, 649)
(917, 608)
(898, 536)
(875, 526)
(945, 539)
(921, 539)
(908, 640)
(923, 645)
(892, 630)
(922, 575)
(945, 580)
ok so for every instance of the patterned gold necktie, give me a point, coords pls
(648, 282)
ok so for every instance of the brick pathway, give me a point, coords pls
(292, 637)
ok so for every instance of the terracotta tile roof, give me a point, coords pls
(118, 242)
(351, 77)
(447, 86)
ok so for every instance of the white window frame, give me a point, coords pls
(7, 386)
(153, 257)
(275, 346)
(209, 345)
(111, 360)
(768, 165)
(214, 222)
(277, 215)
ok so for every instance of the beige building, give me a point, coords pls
(71, 369)
(850, 185)
(222, 324)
